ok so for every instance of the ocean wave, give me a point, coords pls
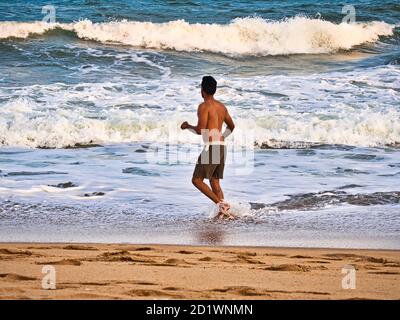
(242, 36)
(297, 111)
(24, 124)
(367, 127)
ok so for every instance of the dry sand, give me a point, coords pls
(116, 271)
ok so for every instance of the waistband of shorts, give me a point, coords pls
(215, 143)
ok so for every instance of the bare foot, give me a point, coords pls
(229, 216)
(224, 216)
(224, 208)
(220, 216)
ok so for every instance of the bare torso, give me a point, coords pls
(216, 114)
(211, 114)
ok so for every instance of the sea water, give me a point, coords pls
(91, 104)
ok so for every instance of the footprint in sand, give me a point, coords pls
(318, 261)
(93, 296)
(339, 256)
(16, 252)
(246, 259)
(241, 291)
(249, 254)
(64, 262)
(274, 255)
(151, 293)
(355, 257)
(289, 267)
(13, 276)
(136, 282)
(178, 261)
(173, 289)
(143, 249)
(125, 248)
(205, 259)
(121, 256)
(187, 252)
(78, 285)
(79, 247)
(144, 283)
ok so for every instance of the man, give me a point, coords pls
(212, 114)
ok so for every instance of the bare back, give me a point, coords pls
(213, 114)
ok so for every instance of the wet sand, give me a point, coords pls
(119, 271)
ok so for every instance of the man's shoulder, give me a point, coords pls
(220, 104)
(207, 105)
(203, 105)
(203, 108)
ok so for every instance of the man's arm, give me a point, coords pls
(229, 124)
(202, 115)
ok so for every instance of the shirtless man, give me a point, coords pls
(211, 116)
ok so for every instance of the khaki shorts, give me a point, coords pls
(211, 162)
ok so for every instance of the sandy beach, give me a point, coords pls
(122, 271)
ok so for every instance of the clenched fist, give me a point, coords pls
(184, 125)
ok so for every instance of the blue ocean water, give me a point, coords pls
(91, 101)
(199, 11)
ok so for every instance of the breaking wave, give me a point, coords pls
(23, 123)
(242, 36)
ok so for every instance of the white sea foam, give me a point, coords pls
(14, 29)
(21, 125)
(330, 109)
(239, 209)
(242, 36)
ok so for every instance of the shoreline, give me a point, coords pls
(156, 244)
(154, 271)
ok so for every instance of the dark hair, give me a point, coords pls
(209, 85)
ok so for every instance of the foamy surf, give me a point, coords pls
(62, 129)
(303, 121)
(239, 209)
(242, 36)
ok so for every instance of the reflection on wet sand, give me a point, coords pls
(209, 234)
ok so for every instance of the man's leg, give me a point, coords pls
(216, 188)
(205, 189)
